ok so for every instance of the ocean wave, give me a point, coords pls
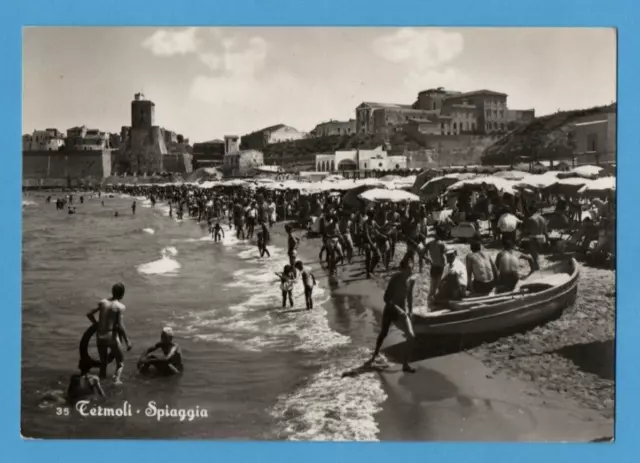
(326, 406)
(151, 231)
(28, 202)
(330, 407)
(164, 266)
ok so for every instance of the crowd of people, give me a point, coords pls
(348, 228)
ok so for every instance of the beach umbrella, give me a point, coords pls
(566, 186)
(512, 175)
(496, 183)
(536, 181)
(351, 198)
(437, 185)
(390, 178)
(395, 196)
(582, 171)
(599, 187)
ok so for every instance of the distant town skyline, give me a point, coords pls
(211, 82)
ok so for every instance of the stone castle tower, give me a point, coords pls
(143, 112)
(144, 147)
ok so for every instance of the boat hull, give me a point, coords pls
(517, 312)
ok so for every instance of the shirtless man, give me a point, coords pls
(481, 271)
(538, 236)
(398, 299)
(292, 245)
(110, 324)
(171, 364)
(435, 251)
(507, 265)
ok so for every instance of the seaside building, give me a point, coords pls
(363, 160)
(83, 139)
(444, 112)
(208, 153)
(269, 135)
(44, 140)
(594, 139)
(332, 127)
(242, 163)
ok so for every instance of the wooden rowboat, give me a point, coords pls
(539, 298)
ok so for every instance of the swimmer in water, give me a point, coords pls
(81, 386)
(115, 214)
(216, 230)
(84, 385)
(102, 202)
(110, 318)
(171, 364)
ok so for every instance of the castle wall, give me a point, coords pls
(61, 168)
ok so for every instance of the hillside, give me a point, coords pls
(544, 138)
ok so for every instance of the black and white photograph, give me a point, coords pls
(319, 233)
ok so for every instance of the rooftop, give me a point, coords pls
(386, 105)
(478, 92)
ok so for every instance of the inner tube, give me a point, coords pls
(84, 346)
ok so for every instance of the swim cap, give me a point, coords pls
(168, 331)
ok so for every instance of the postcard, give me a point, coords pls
(320, 233)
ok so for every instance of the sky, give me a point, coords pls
(211, 82)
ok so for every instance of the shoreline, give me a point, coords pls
(453, 397)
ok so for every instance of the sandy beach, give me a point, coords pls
(518, 388)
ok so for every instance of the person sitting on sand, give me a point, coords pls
(308, 282)
(171, 364)
(453, 284)
(84, 385)
(287, 278)
(398, 299)
(481, 270)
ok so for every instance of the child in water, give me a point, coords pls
(308, 281)
(84, 385)
(216, 231)
(81, 386)
(287, 278)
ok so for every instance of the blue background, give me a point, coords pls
(617, 13)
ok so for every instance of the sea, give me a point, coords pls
(259, 372)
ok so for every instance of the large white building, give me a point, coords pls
(375, 159)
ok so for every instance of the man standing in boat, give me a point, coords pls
(398, 299)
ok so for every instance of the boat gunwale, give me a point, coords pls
(503, 308)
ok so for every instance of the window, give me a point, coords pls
(365, 165)
(380, 165)
(592, 142)
(455, 126)
(397, 166)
